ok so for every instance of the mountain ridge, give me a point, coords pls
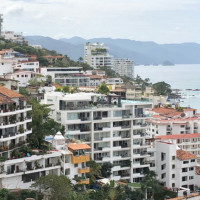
(142, 52)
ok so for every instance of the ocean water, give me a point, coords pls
(179, 77)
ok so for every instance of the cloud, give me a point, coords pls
(135, 19)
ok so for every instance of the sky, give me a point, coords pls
(161, 21)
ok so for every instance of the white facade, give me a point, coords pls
(114, 81)
(28, 66)
(6, 66)
(66, 76)
(14, 37)
(175, 167)
(18, 170)
(115, 131)
(124, 67)
(22, 76)
(96, 55)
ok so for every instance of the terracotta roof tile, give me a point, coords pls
(9, 93)
(178, 136)
(5, 100)
(184, 155)
(78, 146)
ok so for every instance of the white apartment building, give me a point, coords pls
(188, 142)
(124, 67)
(115, 129)
(23, 77)
(114, 81)
(14, 37)
(175, 167)
(7, 66)
(97, 55)
(9, 84)
(19, 169)
(169, 121)
(33, 66)
(66, 76)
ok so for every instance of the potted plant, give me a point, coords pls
(21, 129)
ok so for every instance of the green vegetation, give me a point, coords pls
(162, 88)
(103, 89)
(95, 171)
(42, 125)
(57, 187)
(106, 169)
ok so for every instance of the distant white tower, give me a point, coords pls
(1, 22)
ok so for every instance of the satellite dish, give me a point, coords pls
(182, 114)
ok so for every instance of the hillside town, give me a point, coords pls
(61, 117)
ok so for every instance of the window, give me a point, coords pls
(193, 160)
(184, 178)
(173, 166)
(184, 169)
(191, 168)
(185, 162)
(173, 185)
(67, 171)
(173, 176)
(191, 177)
(163, 166)
(173, 157)
(163, 175)
(22, 75)
(182, 126)
(75, 165)
(163, 156)
(17, 75)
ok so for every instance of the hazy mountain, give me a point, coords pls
(140, 52)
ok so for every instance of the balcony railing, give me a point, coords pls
(11, 134)
(80, 158)
(84, 181)
(83, 170)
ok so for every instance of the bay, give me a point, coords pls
(179, 77)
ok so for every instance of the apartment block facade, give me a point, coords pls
(97, 55)
(115, 129)
(124, 67)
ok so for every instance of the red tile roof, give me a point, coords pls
(178, 136)
(184, 155)
(78, 146)
(171, 112)
(5, 100)
(9, 93)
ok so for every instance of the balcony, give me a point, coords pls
(13, 135)
(80, 158)
(84, 181)
(19, 109)
(83, 170)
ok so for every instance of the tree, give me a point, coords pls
(106, 169)
(80, 59)
(42, 125)
(49, 79)
(103, 89)
(23, 91)
(150, 184)
(162, 88)
(94, 171)
(58, 187)
(66, 89)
